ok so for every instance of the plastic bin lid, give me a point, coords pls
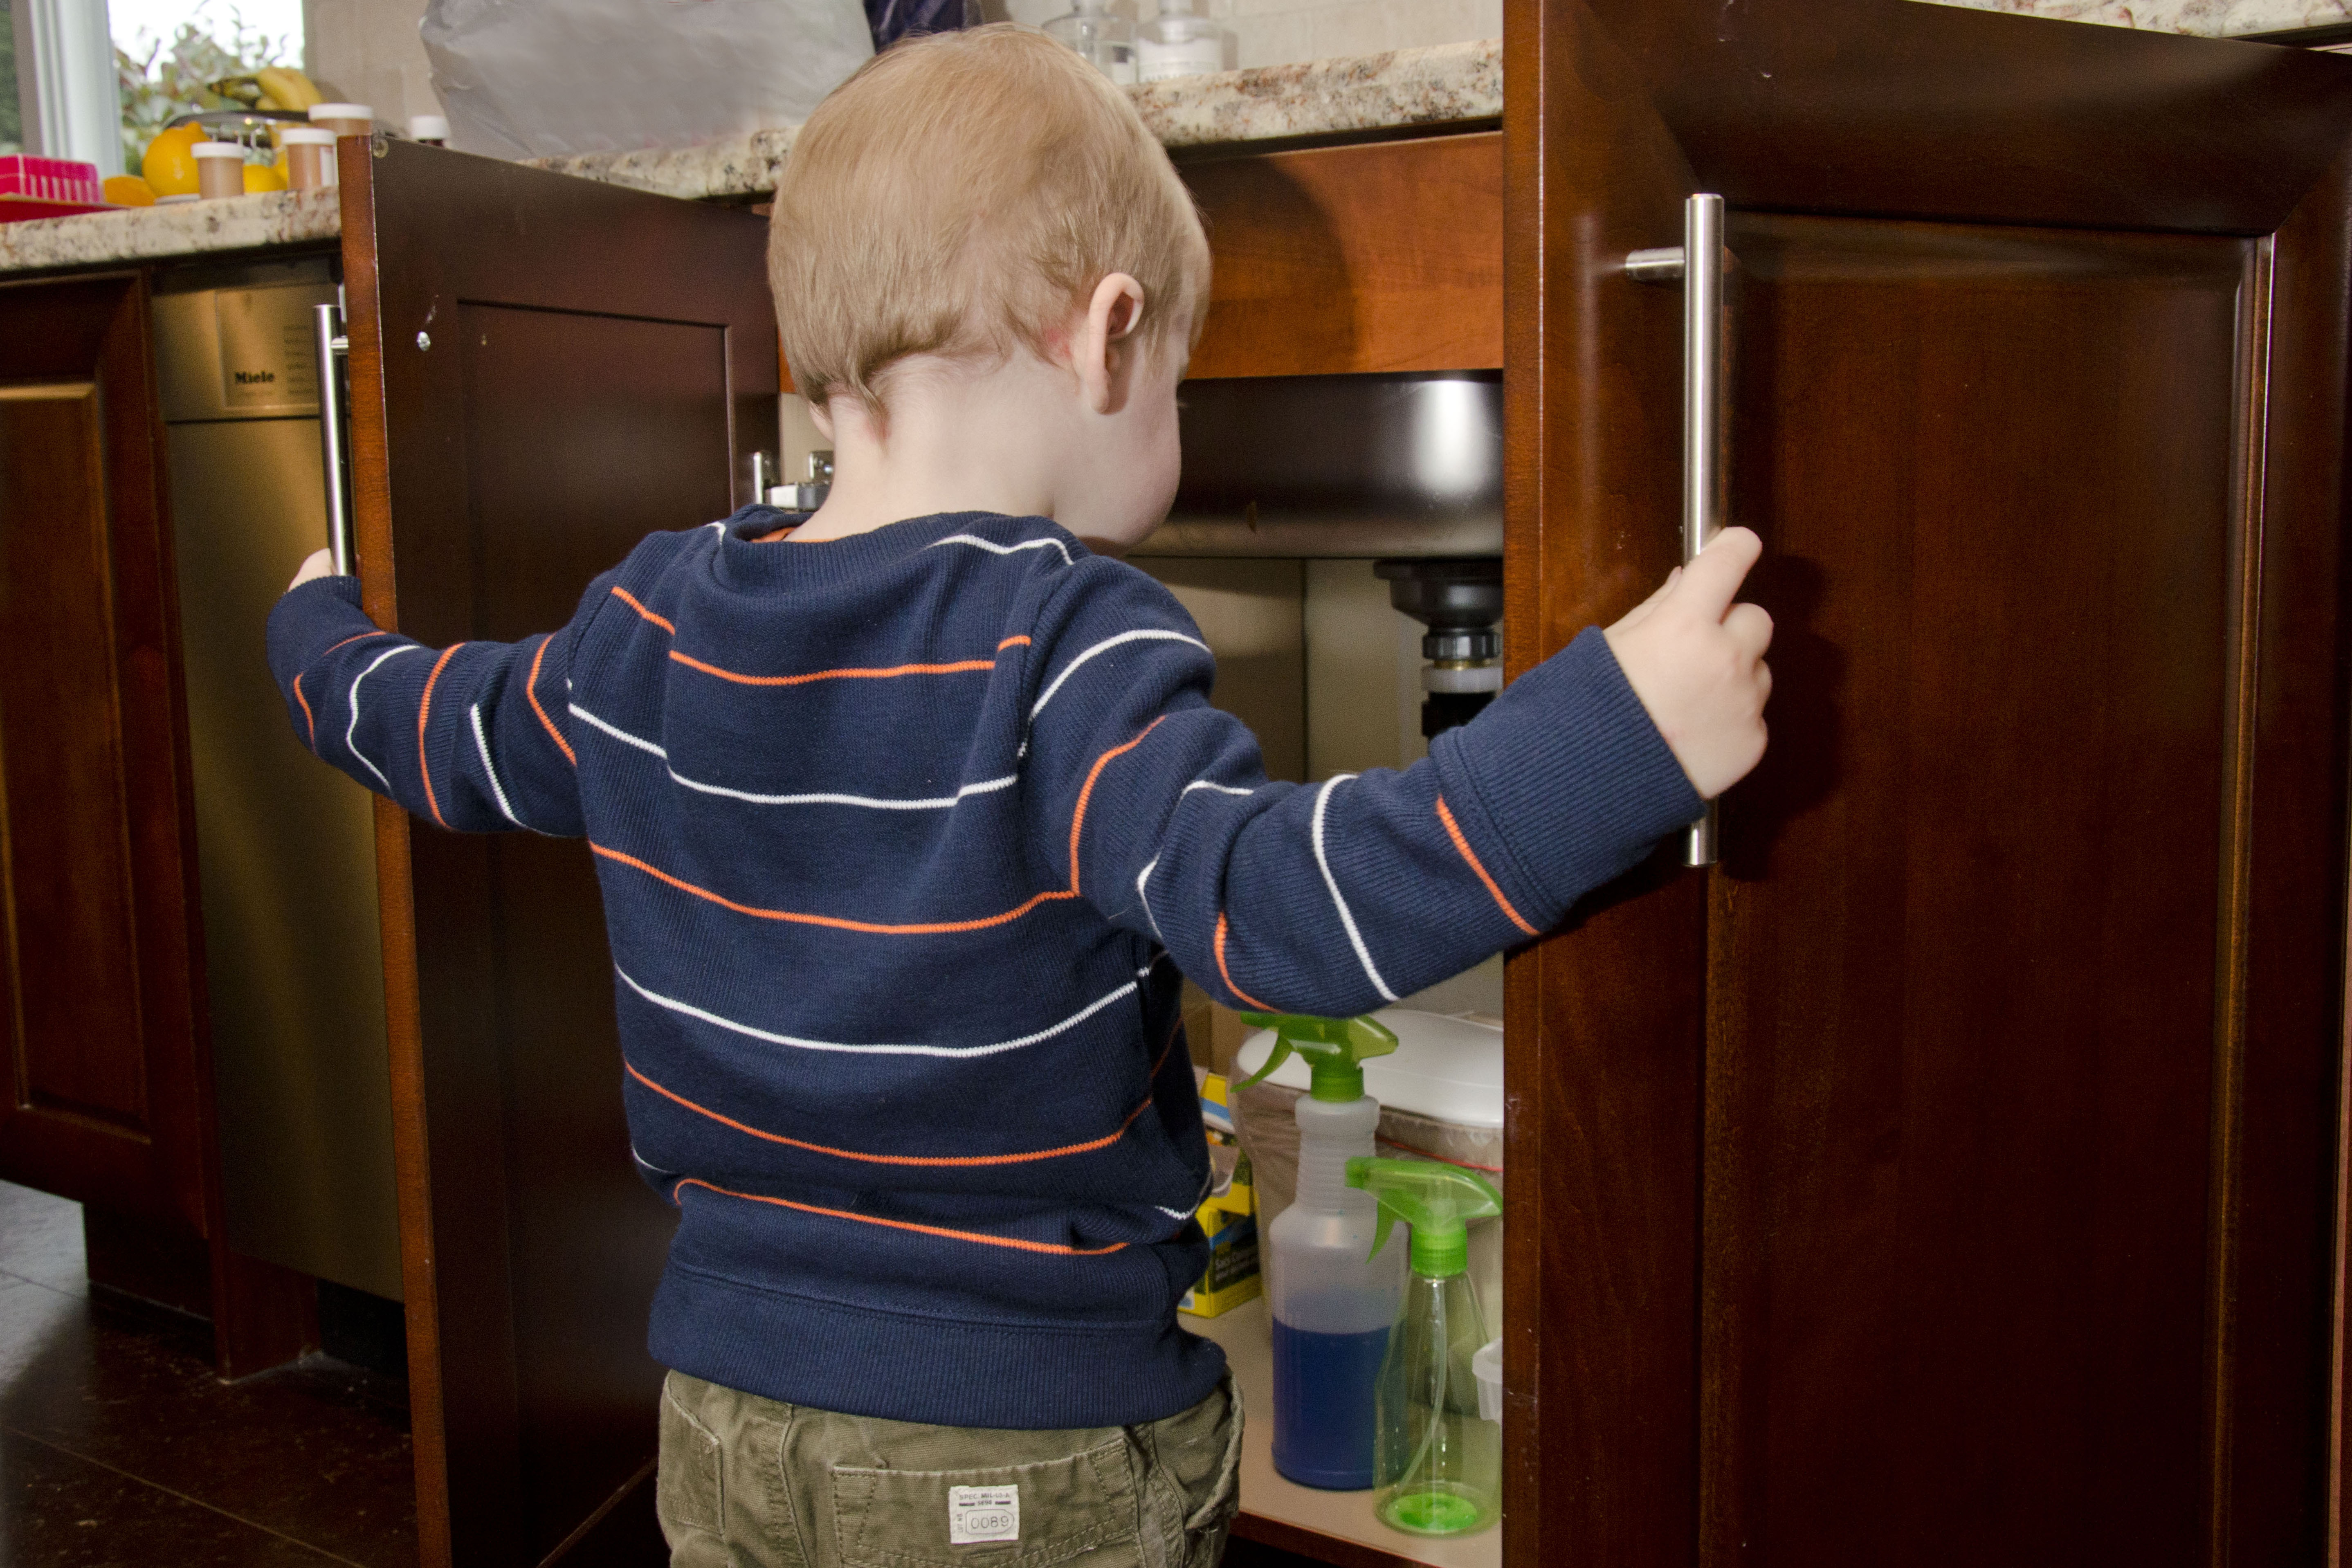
(1450, 1070)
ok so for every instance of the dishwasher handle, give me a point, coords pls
(1698, 264)
(333, 347)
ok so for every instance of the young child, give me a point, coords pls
(908, 817)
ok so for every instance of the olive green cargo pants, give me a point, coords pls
(747, 1482)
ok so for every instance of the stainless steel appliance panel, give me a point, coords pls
(286, 848)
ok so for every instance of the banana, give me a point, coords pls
(288, 88)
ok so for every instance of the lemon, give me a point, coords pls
(263, 177)
(170, 168)
(128, 191)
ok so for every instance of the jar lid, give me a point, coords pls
(216, 149)
(428, 128)
(342, 112)
(306, 136)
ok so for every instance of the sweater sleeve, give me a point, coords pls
(475, 737)
(1335, 898)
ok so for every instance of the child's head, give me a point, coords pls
(962, 196)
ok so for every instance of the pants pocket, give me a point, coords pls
(688, 1479)
(1010, 1516)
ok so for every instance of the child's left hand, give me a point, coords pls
(319, 565)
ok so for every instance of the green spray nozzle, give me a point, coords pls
(1438, 1201)
(1334, 1048)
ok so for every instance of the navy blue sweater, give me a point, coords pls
(904, 839)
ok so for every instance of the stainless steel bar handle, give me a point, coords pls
(1697, 265)
(1703, 489)
(333, 345)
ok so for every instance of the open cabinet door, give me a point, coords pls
(544, 371)
(1948, 1175)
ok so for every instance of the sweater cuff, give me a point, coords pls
(1565, 775)
(309, 619)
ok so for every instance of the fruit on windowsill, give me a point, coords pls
(168, 166)
(128, 191)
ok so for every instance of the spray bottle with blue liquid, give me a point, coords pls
(1333, 1301)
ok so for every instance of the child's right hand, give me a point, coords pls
(318, 564)
(1697, 661)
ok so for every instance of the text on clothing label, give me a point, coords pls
(984, 1513)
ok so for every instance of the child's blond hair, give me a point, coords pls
(961, 195)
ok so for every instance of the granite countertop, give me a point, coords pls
(2208, 19)
(1446, 84)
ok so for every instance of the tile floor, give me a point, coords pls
(119, 1448)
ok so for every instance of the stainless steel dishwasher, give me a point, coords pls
(286, 848)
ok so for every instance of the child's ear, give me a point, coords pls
(1112, 316)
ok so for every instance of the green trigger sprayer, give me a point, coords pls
(1334, 1048)
(1332, 1304)
(1439, 1465)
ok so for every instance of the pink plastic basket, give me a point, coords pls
(49, 179)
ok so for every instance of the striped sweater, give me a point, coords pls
(904, 840)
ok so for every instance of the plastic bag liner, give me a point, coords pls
(537, 78)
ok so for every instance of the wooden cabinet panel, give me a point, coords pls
(1962, 980)
(1947, 1177)
(543, 372)
(1384, 256)
(108, 1099)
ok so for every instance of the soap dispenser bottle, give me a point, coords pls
(1103, 38)
(1180, 41)
(1440, 1461)
(1333, 1301)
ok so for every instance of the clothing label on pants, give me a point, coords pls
(984, 1513)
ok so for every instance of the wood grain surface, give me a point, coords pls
(544, 371)
(1382, 255)
(1948, 1176)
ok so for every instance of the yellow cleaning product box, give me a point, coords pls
(1228, 1217)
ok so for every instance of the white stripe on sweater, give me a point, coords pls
(1144, 898)
(498, 791)
(995, 549)
(351, 730)
(1220, 789)
(873, 803)
(1071, 669)
(688, 1010)
(1347, 918)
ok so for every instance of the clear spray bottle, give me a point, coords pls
(1440, 1464)
(1333, 1301)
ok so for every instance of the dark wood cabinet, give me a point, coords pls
(542, 371)
(108, 1082)
(1948, 1175)
(95, 992)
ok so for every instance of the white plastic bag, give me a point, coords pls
(534, 78)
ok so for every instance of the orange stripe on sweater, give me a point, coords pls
(631, 600)
(941, 928)
(424, 710)
(925, 1160)
(957, 667)
(1012, 642)
(1453, 831)
(362, 637)
(530, 690)
(1227, 974)
(1014, 1243)
(307, 718)
(1078, 817)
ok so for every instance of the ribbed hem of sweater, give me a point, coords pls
(944, 1372)
(1564, 770)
